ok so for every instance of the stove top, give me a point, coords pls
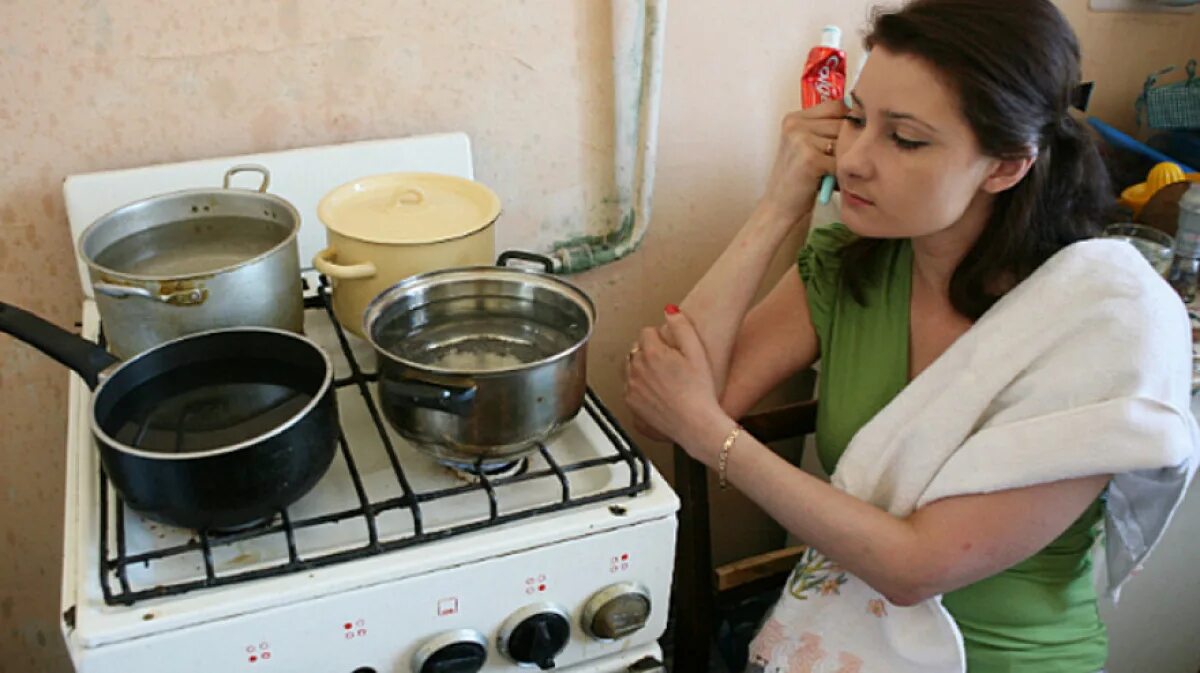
(380, 495)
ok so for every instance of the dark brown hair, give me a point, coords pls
(1015, 67)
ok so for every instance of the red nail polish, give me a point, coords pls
(672, 309)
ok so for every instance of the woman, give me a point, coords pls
(961, 174)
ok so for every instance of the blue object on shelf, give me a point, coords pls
(1118, 139)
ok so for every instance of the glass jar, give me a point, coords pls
(1184, 275)
(1157, 247)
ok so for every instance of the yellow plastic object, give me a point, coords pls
(1162, 175)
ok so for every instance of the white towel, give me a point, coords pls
(1082, 369)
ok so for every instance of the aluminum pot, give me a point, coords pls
(384, 228)
(195, 260)
(479, 364)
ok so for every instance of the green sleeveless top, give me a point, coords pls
(1041, 614)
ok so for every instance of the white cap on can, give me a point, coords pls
(831, 36)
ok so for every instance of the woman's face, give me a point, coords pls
(908, 164)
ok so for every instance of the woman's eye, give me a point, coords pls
(856, 122)
(906, 144)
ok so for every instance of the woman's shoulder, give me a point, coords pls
(1103, 292)
(1108, 269)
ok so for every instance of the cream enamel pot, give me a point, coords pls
(384, 228)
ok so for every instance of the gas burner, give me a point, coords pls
(243, 528)
(470, 473)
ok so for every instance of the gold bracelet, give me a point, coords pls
(723, 459)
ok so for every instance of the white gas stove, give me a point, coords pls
(393, 562)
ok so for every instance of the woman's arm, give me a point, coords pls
(776, 340)
(943, 546)
(718, 303)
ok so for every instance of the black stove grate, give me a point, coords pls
(116, 559)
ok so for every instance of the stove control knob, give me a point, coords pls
(535, 634)
(616, 611)
(462, 651)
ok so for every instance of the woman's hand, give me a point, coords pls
(664, 333)
(806, 149)
(670, 386)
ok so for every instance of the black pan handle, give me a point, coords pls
(451, 398)
(527, 257)
(78, 353)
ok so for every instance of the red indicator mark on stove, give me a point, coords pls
(534, 585)
(618, 564)
(260, 652)
(447, 607)
(354, 630)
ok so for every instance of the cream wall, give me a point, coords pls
(95, 84)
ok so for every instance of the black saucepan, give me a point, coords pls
(215, 430)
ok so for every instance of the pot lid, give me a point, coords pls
(409, 208)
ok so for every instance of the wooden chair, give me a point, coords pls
(701, 591)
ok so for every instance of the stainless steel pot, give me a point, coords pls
(195, 260)
(478, 364)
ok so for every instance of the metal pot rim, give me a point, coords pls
(326, 383)
(386, 298)
(116, 212)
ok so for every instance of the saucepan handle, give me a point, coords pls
(324, 263)
(509, 255)
(249, 168)
(85, 357)
(452, 398)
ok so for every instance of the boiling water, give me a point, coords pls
(209, 405)
(192, 246)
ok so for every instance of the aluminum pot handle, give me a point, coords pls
(187, 297)
(250, 168)
(508, 255)
(323, 262)
(451, 398)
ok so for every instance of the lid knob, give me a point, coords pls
(405, 197)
